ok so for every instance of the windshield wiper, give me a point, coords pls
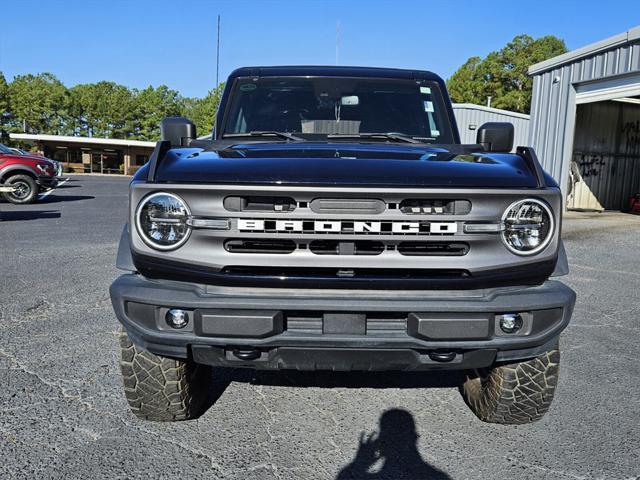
(267, 133)
(397, 137)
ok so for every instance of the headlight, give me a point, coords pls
(528, 226)
(161, 219)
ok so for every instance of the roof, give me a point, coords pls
(333, 71)
(630, 35)
(91, 140)
(473, 106)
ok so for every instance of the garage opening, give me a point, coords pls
(605, 167)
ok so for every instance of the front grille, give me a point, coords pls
(421, 206)
(260, 246)
(449, 249)
(336, 247)
(355, 273)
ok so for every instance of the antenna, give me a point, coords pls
(218, 53)
(337, 42)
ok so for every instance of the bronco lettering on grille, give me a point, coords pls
(342, 226)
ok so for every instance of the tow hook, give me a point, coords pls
(247, 354)
(442, 357)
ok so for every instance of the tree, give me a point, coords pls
(151, 106)
(39, 102)
(502, 74)
(202, 111)
(103, 109)
(4, 104)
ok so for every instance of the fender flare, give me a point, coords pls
(23, 168)
(124, 260)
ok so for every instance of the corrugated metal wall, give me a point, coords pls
(469, 115)
(550, 131)
(606, 155)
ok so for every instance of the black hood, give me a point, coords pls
(345, 164)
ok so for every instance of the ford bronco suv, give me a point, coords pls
(334, 221)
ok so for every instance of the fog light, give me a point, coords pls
(177, 318)
(510, 322)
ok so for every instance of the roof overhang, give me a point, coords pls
(631, 35)
(103, 142)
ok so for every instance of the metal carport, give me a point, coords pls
(585, 121)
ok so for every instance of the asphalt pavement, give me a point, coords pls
(63, 414)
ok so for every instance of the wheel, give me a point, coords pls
(159, 388)
(514, 393)
(25, 191)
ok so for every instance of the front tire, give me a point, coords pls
(25, 191)
(162, 389)
(515, 393)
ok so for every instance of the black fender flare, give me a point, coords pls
(124, 260)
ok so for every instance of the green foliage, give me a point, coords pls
(502, 75)
(42, 104)
(39, 103)
(151, 106)
(202, 111)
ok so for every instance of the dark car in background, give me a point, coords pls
(26, 175)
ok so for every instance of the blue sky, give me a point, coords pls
(139, 43)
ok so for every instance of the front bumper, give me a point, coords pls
(47, 182)
(340, 330)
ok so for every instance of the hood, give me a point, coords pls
(346, 164)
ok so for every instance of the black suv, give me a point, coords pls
(334, 221)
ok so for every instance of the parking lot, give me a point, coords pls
(63, 415)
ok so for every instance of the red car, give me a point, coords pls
(26, 175)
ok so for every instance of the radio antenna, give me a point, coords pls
(337, 42)
(218, 53)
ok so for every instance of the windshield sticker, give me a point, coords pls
(435, 133)
(428, 106)
(248, 87)
(425, 90)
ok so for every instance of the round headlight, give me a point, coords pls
(528, 226)
(161, 219)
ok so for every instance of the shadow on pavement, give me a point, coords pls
(391, 453)
(53, 198)
(28, 215)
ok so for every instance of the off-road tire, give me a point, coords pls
(515, 393)
(25, 182)
(162, 389)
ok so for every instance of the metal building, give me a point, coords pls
(469, 117)
(585, 121)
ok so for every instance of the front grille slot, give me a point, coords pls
(259, 204)
(259, 246)
(422, 206)
(355, 273)
(336, 247)
(440, 249)
(347, 206)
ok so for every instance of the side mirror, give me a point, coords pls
(496, 136)
(177, 130)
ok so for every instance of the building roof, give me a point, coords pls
(473, 106)
(85, 140)
(607, 44)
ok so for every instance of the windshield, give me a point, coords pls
(5, 150)
(321, 106)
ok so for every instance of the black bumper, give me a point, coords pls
(47, 182)
(340, 330)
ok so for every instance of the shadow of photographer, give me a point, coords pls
(391, 453)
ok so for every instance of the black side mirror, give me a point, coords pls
(496, 136)
(177, 130)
